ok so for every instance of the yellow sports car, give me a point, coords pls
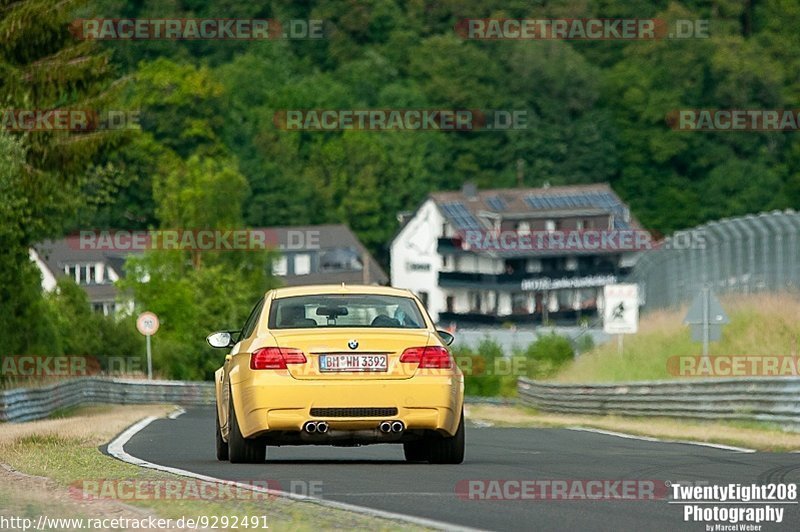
(339, 365)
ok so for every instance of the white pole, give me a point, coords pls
(149, 360)
(706, 293)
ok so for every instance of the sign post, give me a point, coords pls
(706, 317)
(147, 324)
(621, 310)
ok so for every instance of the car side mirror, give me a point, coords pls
(220, 339)
(446, 337)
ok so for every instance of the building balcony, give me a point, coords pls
(565, 317)
(485, 280)
(514, 281)
(520, 249)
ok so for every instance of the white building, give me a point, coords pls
(520, 255)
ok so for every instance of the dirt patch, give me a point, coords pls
(93, 425)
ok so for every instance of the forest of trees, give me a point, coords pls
(209, 154)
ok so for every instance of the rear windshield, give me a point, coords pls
(355, 310)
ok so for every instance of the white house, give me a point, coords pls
(524, 255)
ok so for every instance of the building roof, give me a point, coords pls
(310, 238)
(333, 237)
(56, 253)
(471, 208)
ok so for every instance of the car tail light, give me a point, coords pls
(430, 357)
(276, 357)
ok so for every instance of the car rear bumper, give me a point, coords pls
(279, 403)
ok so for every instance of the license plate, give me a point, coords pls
(352, 362)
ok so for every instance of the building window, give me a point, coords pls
(450, 303)
(84, 274)
(279, 266)
(423, 296)
(339, 260)
(519, 303)
(475, 302)
(106, 308)
(302, 264)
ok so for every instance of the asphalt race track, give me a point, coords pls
(378, 477)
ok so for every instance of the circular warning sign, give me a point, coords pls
(147, 323)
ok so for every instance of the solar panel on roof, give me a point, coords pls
(460, 216)
(602, 200)
(497, 203)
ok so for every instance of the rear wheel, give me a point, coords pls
(416, 451)
(243, 450)
(448, 449)
(222, 445)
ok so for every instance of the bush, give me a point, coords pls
(481, 375)
(547, 354)
(83, 332)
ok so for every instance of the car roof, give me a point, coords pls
(308, 290)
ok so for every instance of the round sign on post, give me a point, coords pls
(147, 323)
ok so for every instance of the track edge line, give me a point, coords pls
(660, 440)
(116, 448)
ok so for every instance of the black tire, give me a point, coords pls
(243, 450)
(222, 445)
(448, 450)
(416, 451)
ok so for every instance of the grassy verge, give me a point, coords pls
(63, 452)
(760, 325)
(759, 436)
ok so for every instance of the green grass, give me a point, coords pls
(69, 460)
(760, 325)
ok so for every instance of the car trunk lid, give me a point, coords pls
(347, 349)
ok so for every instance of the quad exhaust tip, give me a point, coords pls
(398, 426)
(385, 426)
(322, 427)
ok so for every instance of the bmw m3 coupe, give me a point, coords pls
(338, 365)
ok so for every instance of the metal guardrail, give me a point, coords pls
(766, 399)
(27, 404)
